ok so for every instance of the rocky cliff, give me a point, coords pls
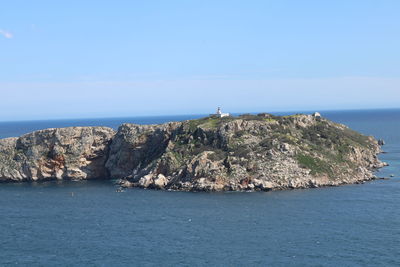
(249, 152)
(67, 153)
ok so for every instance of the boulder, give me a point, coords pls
(161, 181)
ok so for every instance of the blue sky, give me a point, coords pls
(71, 59)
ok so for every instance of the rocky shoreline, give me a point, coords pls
(245, 153)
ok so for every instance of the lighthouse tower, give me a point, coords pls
(219, 113)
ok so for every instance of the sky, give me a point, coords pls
(83, 59)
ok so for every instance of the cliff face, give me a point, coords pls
(246, 153)
(67, 153)
(236, 153)
(134, 147)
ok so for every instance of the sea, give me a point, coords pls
(89, 223)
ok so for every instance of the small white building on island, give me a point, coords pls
(219, 113)
(317, 115)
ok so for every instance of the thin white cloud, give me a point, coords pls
(6, 34)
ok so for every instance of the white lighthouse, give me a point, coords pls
(219, 113)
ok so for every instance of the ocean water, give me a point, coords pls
(90, 224)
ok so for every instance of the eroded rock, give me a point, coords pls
(263, 152)
(67, 153)
(248, 152)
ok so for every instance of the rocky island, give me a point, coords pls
(248, 152)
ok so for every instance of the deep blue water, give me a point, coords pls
(89, 223)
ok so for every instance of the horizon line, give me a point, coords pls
(200, 114)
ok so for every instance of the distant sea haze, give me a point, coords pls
(89, 223)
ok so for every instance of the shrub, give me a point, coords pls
(217, 155)
(315, 165)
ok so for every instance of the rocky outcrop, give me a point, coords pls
(134, 147)
(248, 152)
(67, 153)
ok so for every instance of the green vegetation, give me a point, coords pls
(258, 117)
(239, 150)
(288, 138)
(212, 123)
(271, 120)
(215, 122)
(315, 165)
(193, 124)
(327, 135)
(323, 147)
(217, 155)
(177, 156)
(209, 122)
